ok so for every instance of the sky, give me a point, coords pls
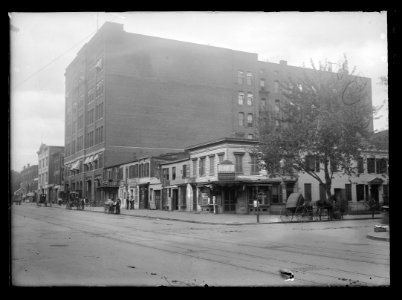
(42, 45)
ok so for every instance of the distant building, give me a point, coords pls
(371, 181)
(46, 168)
(29, 183)
(130, 95)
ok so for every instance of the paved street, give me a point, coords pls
(52, 246)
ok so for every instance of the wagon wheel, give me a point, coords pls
(286, 215)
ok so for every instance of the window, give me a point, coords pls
(250, 120)
(348, 191)
(276, 193)
(360, 192)
(370, 165)
(136, 173)
(241, 98)
(131, 172)
(254, 164)
(240, 77)
(250, 136)
(91, 95)
(307, 192)
(262, 82)
(212, 165)
(99, 88)
(220, 157)
(201, 166)
(381, 166)
(99, 65)
(165, 173)
(194, 167)
(317, 164)
(90, 116)
(141, 170)
(184, 171)
(101, 134)
(173, 173)
(99, 111)
(249, 99)
(239, 163)
(147, 169)
(360, 165)
(276, 86)
(241, 119)
(310, 162)
(249, 78)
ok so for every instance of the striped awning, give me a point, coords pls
(96, 156)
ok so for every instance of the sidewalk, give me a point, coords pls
(210, 218)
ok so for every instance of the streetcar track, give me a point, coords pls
(133, 231)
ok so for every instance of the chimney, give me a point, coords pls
(283, 62)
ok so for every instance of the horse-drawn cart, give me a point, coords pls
(74, 200)
(297, 209)
(109, 207)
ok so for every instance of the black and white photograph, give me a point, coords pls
(199, 149)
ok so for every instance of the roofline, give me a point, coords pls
(221, 141)
(175, 161)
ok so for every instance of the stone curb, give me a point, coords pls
(377, 238)
(216, 223)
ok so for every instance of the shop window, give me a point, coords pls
(276, 194)
(173, 173)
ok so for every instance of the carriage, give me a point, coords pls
(109, 206)
(74, 200)
(297, 209)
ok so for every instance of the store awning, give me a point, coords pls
(90, 159)
(86, 160)
(30, 194)
(96, 156)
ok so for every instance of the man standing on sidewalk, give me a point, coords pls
(127, 203)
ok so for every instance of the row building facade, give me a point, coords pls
(130, 95)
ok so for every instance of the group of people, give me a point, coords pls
(129, 203)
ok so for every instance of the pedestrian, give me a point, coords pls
(117, 208)
(131, 202)
(372, 206)
(127, 203)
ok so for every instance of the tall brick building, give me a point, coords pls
(130, 95)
